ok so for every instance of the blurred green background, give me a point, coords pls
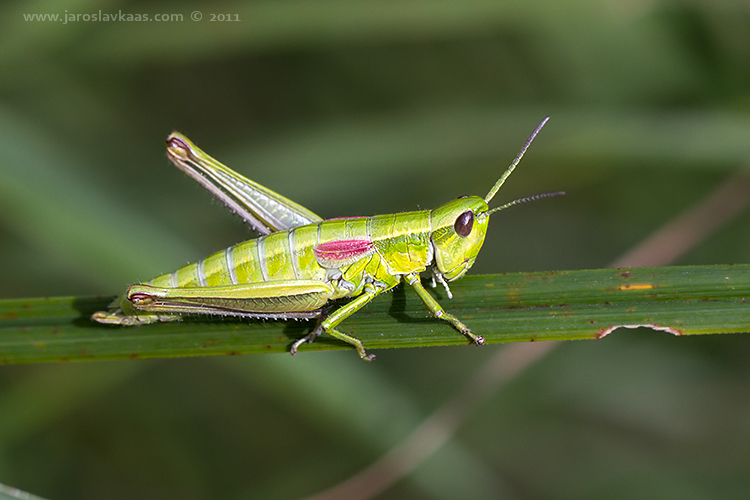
(358, 108)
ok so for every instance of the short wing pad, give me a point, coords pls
(340, 253)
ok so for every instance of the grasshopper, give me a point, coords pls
(302, 263)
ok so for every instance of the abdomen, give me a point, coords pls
(285, 255)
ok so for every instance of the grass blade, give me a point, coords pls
(561, 305)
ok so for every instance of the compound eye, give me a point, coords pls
(464, 223)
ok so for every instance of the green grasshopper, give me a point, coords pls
(301, 262)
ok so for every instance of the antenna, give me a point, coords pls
(524, 200)
(513, 166)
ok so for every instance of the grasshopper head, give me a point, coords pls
(459, 226)
(458, 230)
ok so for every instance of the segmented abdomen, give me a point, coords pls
(279, 256)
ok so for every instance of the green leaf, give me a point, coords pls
(561, 305)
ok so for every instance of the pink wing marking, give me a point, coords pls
(342, 252)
